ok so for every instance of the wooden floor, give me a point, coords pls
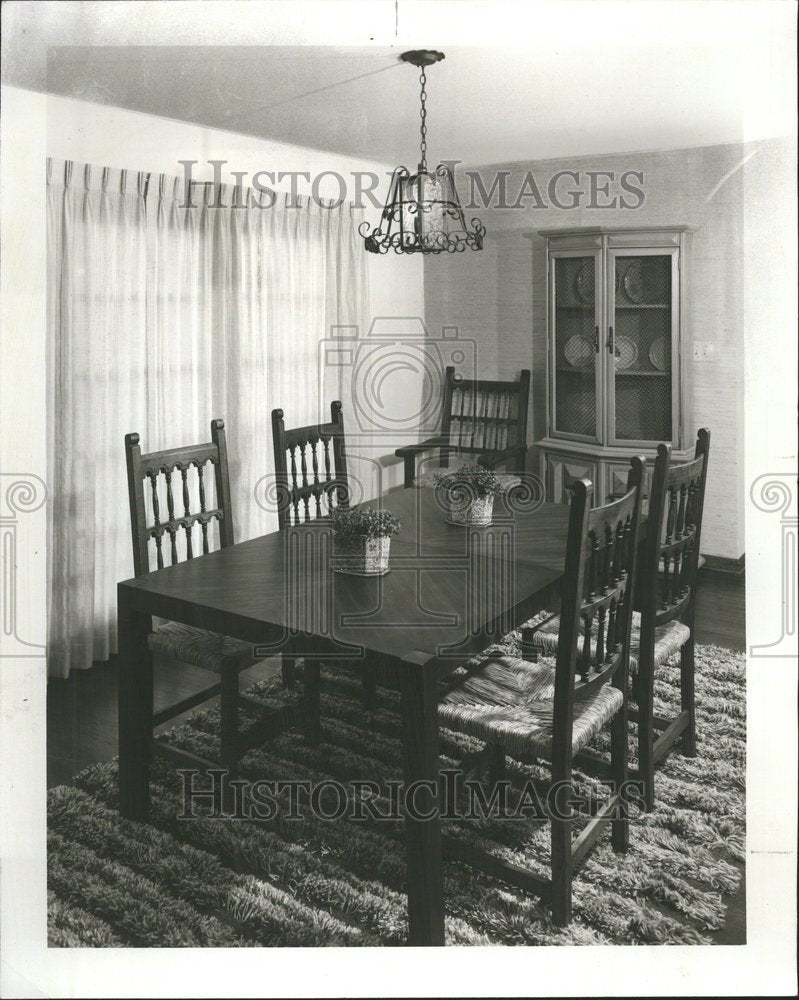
(721, 609)
(82, 710)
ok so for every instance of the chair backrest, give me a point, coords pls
(170, 470)
(668, 571)
(479, 415)
(597, 597)
(310, 468)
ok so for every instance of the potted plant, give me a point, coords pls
(362, 539)
(469, 494)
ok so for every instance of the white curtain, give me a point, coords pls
(164, 313)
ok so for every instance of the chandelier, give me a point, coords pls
(422, 214)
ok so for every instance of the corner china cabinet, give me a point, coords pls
(617, 359)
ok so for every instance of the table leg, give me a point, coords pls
(135, 701)
(229, 735)
(422, 835)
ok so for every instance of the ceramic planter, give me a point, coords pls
(362, 555)
(476, 511)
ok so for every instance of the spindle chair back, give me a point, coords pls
(482, 418)
(479, 415)
(672, 549)
(169, 471)
(310, 468)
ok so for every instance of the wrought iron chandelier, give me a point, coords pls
(423, 213)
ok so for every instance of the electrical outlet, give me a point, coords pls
(703, 350)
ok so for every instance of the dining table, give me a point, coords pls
(451, 592)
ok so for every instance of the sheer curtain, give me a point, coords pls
(163, 313)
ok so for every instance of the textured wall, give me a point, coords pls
(497, 297)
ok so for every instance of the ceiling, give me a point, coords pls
(487, 103)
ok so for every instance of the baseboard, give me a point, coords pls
(723, 564)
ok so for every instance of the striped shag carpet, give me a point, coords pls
(311, 882)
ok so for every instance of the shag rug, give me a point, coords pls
(311, 882)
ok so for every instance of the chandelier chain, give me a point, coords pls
(423, 116)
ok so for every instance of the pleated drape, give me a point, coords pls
(163, 313)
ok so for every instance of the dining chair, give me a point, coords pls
(482, 421)
(663, 622)
(668, 580)
(549, 710)
(312, 481)
(198, 508)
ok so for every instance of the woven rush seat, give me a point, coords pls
(200, 648)
(509, 701)
(669, 639)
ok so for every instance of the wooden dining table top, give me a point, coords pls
(450, 591)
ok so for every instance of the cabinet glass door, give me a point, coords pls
(574, 293)
(642, 313)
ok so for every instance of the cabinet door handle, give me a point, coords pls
(610, 339)
(596, 339)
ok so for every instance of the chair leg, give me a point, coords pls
(312, 715)
(687, 696)
(646, 730)
(561, 872)
(561, 836)
(528, 650)
(368, 688)
(288, 671)
(635, 687)
(409, 471)
(620, 827)
(496, 763)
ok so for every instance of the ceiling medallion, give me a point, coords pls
(423, 213)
